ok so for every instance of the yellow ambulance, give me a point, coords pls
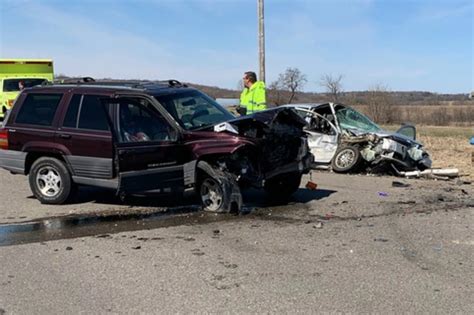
(17, 74)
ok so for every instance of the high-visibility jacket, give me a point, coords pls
(254, 98)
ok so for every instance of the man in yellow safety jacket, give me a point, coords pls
(252, 98)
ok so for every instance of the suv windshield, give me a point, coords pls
(352, 119)
(13, 85)
(193, 109)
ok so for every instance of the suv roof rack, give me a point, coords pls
(130, 84)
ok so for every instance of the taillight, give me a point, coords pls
(4, 139)
(10, 103)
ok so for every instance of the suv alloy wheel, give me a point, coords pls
(50, 181)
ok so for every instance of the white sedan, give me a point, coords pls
(349, 141)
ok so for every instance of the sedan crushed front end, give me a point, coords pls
(349, 141)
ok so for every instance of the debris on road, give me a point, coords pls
(318, 225)
(311, 185)
(382, 194)
(380, 239)
(400, 184)
(441, 173)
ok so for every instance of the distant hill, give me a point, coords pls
(352, 97)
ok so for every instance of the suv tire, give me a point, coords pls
(50, 181)
(218, 190)
(281, 187)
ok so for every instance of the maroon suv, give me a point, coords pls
(160, 137)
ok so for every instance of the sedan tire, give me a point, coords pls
(347, 159)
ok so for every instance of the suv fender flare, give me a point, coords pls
(36, 150)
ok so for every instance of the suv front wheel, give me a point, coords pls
(50, 181)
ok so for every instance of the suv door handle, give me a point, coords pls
(65, 136)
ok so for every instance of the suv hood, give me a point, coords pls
(277, 132)
(262, 122)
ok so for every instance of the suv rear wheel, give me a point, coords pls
(50, 181)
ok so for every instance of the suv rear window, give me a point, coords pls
(38, 109)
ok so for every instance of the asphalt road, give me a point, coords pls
(357, 244)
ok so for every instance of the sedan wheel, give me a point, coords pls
(346, 159)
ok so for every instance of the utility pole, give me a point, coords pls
(261, 41)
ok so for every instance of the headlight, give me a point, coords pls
(415, 154)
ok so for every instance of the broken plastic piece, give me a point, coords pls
(399, 184)
(382, 194)
(311, 185)
(446, 172)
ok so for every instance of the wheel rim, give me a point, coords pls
(345, 158)
(211, 194)
(48, 181)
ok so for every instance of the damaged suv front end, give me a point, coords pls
(349, 141)
(268, 149)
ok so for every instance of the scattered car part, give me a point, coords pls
(446, 172)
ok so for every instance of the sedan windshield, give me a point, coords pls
(193, 109)
(352, 119)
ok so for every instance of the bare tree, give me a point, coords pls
(333, 85)
(381, 105)
(292, 80)
(275, 94)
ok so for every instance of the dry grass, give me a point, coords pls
(448, 147)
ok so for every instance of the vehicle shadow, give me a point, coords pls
(251, 198)
(258, 198)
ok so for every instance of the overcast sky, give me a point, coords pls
(406, 45)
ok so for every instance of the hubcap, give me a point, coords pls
(211, 194)
(345, 158)
(48, 181)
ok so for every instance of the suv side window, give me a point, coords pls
(138, 123)
(71, 115)
(86, 112)
(38, 109)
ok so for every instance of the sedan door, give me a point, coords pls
(322, 136)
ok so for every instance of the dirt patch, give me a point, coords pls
(450, 152)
